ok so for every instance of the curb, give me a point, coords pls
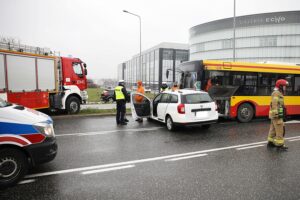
(84, 115)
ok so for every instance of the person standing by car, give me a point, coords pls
(175, 87)
(138, 98)
(276, 114)
(121, 95)
(164, 87)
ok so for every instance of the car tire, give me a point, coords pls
(170, 124)
(206, 126)
(13, 166)
(73, 105)
(245, 113)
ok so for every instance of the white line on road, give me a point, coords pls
(292, 122)
(107, 169)
(146, 159)
(26, 181)
(294, 140)
(107, 132)
(250, 147)
(186, 157)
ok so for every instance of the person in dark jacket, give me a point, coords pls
(121, 96)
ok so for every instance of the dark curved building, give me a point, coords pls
(260, 37)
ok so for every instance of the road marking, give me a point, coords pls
(107, 169)
(147, 159)
(27, 181)
(294, 140)
(250, 147)
(107, 132)
(292, 122)
(186, 157)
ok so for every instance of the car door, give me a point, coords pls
(162, 106)
(140, 105)
(155, 104)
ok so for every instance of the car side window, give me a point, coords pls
(164, 98)
(157, 98)
(174, 98)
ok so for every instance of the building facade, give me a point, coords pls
(154, 65)
(263, 37)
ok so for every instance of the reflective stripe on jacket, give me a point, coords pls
(118, 92)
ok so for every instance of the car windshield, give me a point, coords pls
(196, 98)
(4, 103)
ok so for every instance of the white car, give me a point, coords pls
(174, 108)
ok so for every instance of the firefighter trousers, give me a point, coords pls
(276, 132)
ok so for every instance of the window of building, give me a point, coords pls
(268, 41)
(227, 44)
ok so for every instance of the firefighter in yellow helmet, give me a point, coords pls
(276, 114)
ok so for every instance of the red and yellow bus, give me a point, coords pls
(241, 89)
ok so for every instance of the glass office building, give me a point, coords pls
(260, 37)
(154, 65)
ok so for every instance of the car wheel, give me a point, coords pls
(245, 113)
(73, 105)
(13, 166)
(206, 126)
(169, 123)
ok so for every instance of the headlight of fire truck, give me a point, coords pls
(45, 128)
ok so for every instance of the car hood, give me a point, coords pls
(23, 115)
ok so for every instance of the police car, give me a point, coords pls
(177, 108)
(27, 138)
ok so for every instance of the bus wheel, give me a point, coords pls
(245, 113)
(13, 166)
(73, 105)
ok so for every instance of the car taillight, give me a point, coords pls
(181, 109)
(216, 106)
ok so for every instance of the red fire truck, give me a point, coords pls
(38, 79)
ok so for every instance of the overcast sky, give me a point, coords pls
(100, 34)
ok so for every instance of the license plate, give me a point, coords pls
(201, 115)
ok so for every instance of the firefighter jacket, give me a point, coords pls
(139, 98)
(277, 105)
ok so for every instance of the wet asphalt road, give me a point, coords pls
(99, 160)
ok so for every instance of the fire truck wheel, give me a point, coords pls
(245, 112)
(73, 105)
(13, 166)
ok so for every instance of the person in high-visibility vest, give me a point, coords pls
(164, 87)
(138, 98)
(276, 114)
(121, 95)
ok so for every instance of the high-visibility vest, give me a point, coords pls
(119, 93)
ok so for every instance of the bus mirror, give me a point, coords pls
(84, 65)
(167, 74)
(85, 71)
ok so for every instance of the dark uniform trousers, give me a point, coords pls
(121, 109)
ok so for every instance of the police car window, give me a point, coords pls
(174, 98)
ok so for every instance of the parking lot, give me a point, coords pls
(100, 160)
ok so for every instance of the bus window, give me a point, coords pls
(297, 86)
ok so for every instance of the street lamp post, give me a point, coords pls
(233, 42)
(140, 57)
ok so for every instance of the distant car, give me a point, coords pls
(148, 90)
(107, 96)
(178, 108)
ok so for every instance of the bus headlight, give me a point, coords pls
(46, 129)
